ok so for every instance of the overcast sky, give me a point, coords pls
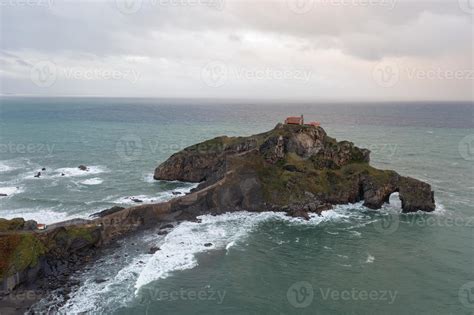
(271, 49)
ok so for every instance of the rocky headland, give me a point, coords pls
(297, 169)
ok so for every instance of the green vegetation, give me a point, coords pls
(19, 251)
(11, 225)
(281, 186)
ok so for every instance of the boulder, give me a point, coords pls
(82, 167)
(153, 249)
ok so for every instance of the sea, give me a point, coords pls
(351, 260)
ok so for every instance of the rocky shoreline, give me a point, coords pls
(297, 169)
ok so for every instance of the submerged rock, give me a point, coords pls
(38, 175)
(82, 167)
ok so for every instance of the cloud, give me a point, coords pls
(170, 43)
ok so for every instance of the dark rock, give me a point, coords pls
(290, 168)
(137, 200)
(153, 249)
(82, 167)
(3, 195)
(100, 280)
(43, 169)
(208, 244)
(176, 193)
(162, 232)
(300, 213)
(62, 174)
(30, 225)
(106, 212)
(167, 226)
(38, 175)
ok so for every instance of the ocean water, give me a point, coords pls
(351, 260)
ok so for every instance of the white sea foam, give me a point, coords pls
(370, 259)
(143, 199)
(10, 191)
(93, 181)
(46, 216)
(223, 232)
(5, 168)
(159, 197)
(75, 171)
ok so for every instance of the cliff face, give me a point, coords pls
(290, 167)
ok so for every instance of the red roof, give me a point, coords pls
(293, 120)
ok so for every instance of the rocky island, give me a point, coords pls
(297, 169)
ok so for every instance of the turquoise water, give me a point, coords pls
(353, 260)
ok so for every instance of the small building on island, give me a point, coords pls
(295, 120)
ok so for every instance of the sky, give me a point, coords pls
(360, 50)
